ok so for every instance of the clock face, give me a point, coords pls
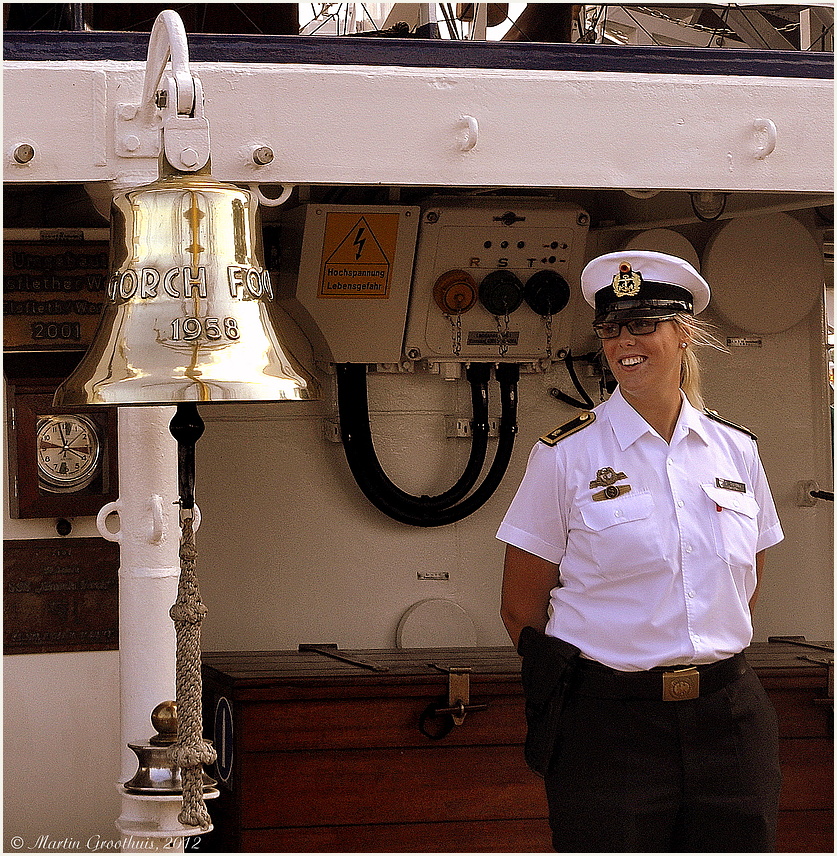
(68, 452)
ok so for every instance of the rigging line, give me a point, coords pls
(326, 20)
(653, 40)
(655, 13)
(445, 19)
(515, 25)
(744, 16)
(591, 23)
(713, 36)
(314, 13)
(453, 20)
(179, 8)
(48, 11)
(252, 23)
(371, 19)
(821, 37)
(450, 18)
(723, 25)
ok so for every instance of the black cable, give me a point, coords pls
(375, 484)
(586, 401)
(567, 399)
(353, 405)
(569, 362)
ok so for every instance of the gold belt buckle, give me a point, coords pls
(681, 685)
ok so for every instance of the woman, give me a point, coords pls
(636, 541)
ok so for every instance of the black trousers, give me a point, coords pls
(642, 776)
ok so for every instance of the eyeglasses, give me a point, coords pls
(636, 326)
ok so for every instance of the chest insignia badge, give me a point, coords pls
(607, 477)
(611, 492)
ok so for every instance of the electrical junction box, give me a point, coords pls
(497, 279)
(344, 276)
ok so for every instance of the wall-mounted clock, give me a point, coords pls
(69, 452)
(61, 463)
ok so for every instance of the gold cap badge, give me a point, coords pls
(627, 282)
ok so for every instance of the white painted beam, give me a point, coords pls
(401, 126)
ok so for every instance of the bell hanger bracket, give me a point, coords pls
(170, 115)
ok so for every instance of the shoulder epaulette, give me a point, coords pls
(562, 431)
(714, 415)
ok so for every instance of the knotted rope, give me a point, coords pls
(190, 751)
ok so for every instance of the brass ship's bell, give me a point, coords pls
(190, 312)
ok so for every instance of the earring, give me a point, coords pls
(683, 345)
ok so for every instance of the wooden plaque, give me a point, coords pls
(60, 594)
(53, 287)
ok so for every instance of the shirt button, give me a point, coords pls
(688, 548)
(691, 594)
(617, 513)
(680, 503)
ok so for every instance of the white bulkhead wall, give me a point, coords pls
(289, 550)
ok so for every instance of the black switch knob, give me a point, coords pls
(501, 292)
(546, 292)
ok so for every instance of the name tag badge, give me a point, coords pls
(726, 484)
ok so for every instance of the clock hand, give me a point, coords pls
(45, 445)
(82, 452)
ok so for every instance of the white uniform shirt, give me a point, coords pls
(661, 574)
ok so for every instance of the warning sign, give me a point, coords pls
(358, 253)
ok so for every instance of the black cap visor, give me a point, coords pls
(652, 300)
(643, 310)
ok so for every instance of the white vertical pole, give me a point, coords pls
(148, 533)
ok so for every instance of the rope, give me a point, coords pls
(190, 751)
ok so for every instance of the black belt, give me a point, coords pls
(674, 683)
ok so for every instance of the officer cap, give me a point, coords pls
(642, 284)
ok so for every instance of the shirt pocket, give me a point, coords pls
(621, 534)
(734, 525)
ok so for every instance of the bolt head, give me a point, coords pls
(263, 155)
(189, 157)
(24, 153)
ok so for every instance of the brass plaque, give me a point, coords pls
(60, 594)
(53, 290)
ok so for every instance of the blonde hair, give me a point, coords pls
(699, 334)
